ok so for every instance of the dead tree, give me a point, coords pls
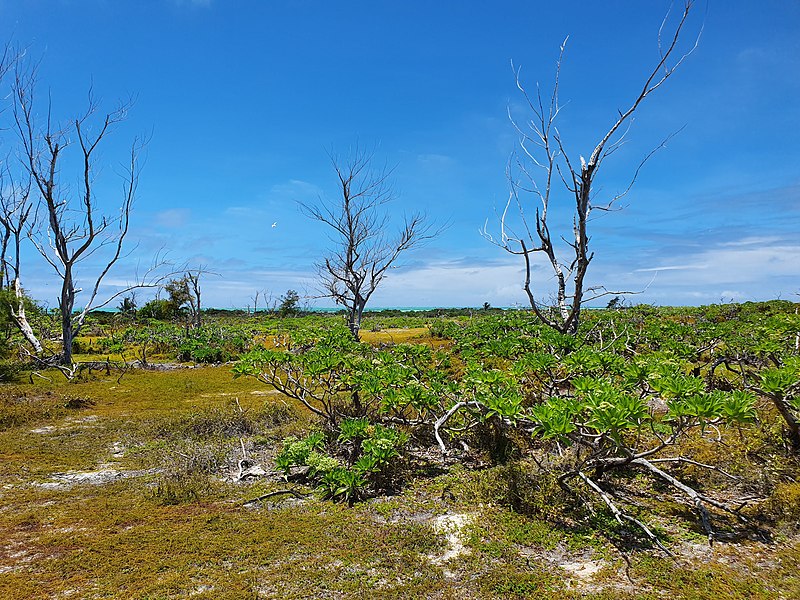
(255, 302)
(362, 250)
(73, 230)
(15, 215)
(193, 281)
(542, 165)
(15, 218)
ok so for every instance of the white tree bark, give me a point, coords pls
(542, 163)
(18, 314)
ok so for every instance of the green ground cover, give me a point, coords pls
(128, 483)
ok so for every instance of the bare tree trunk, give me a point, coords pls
(66, 306)
(68, 339)
(18, 314)
(355, 316)
(5, 277)
(194, 298)
(15, 210)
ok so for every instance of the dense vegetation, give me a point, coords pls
(469, 453)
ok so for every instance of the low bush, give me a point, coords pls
(784, 503)
(19, 410)
(521, 486)
(360, 461)
(186, 471)
(199, 352)
(227, 420)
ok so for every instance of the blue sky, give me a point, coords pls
(242, 100)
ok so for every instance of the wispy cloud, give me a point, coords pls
(748, 268)
(295, 189)
(742, 263)
(752, 241)
(671, 268)
(172, 218)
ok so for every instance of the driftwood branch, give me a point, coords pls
(689, 461)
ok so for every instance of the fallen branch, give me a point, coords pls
(695, 463)
(37, 374)
(268, 495)
(619, 515)
(697, 498)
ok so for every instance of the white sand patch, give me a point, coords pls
(45, 429)
(450, 526)
(98, 477)
(66, 423)
(583, 570)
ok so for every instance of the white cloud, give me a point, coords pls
(753, 241)
(749, 268)
(449, 283)
(739, 263)
(172, 218)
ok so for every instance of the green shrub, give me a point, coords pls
(9, 370)
(197, 351)
(110, 346)
(372, 448)
(159, 309)
(295, 452)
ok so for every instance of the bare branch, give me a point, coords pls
(542, 157)
(362, 251)
(73, 228)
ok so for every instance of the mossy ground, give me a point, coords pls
(167, 523)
